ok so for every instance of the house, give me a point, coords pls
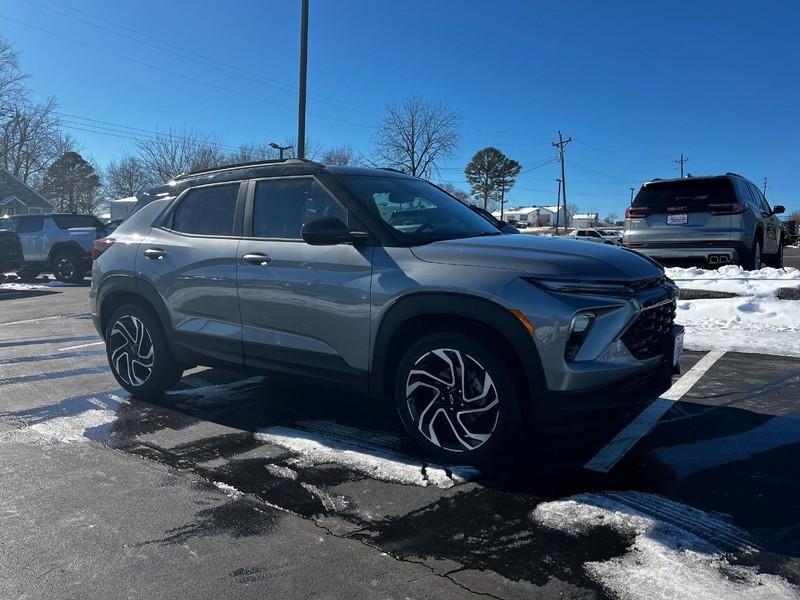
(123, 208)
(585, 220)
(16, 198)
(535, 216)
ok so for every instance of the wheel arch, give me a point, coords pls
(424, 312)
(69, 247)
(121, 289)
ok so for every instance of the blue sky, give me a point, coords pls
(634, 83)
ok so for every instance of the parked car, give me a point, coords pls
(705, 220)
(791, 230)
(594, 235)
(506, 228)
(10, 249)
(57, 243)
(381, 281)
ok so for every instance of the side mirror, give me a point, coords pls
(330, 231)
(778, 209)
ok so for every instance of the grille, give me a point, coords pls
(645, 336)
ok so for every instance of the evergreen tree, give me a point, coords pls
(491, 174)
(71, 183)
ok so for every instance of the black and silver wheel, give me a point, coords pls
(66, 267)
(138, 352)
(456, 399)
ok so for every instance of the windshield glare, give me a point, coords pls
(417, 211)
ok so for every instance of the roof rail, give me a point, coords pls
(392, 169)
(734, 174)
(244, 165)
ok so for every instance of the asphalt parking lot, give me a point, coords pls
(242, 486)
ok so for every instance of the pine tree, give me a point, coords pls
(72, 184)
(491, 174)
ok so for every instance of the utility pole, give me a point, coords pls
(301, 111)
(560, 145)
(681, 162)
(765, 187)
(558, 205)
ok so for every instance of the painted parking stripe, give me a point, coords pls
(81, 346)
(612, 453)
(38, 319)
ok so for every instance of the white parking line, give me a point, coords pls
(81, 346)
(25, 322)
(626, 439)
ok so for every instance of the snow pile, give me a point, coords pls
(666, 559)
(376, 457)
(732, 278)
(759, 324)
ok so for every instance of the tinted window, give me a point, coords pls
(70, 221)
(686, 192)
(207, 210)
(7, 224)
(29, 224)
(761, 202)
(418, 211)
(282, 206)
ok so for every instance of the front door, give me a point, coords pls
(305, 309)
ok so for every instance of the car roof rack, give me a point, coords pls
(734, 174)
(245, 165)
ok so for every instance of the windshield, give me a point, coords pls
(417, 211)
(7, 224)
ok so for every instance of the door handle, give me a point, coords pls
(257, 258)
(154, 253)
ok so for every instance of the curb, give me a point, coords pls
(789, 293)
(690, 294)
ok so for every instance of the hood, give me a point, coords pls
(543, 256)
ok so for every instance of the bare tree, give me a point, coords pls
(611, 218)
(126, 177)
(251, 153)
(416, 135)
(339, 155)
(12, 80)
(179, 151)
(572, 210)
(454, 190)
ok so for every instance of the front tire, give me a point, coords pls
(457, 399)
(138, 352)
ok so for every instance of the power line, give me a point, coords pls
(173, 73)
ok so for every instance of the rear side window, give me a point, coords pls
(282, 206)
(207, 210)
(70, 221)
(30, 224)
(687, 193)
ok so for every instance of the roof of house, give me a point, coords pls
(11, 187)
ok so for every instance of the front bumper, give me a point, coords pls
(620, 400)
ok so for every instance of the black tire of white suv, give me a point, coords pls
(66, 267)
(138, 352)
(457, 399)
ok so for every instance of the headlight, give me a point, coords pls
(586, 287)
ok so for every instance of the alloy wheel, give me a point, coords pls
(452, 400)
(131, 350)
(64, 269)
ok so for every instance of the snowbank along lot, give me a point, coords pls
(252, 486)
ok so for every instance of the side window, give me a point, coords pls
(760, 200)
(581, 233)
(746, 194)
(30, 224)
(207, 210)
(282, 206)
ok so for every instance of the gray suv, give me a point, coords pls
(384, 283)
(705, 220)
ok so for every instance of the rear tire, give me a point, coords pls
(457, 399)
(67, 268)
(754, 259)
(138, 352)
(775, 260)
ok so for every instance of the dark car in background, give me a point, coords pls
(705, 221)
(10, 249)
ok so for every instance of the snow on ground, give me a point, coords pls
(61, 430)
(666, 558)
(354, 449)
(756, 324)
(732, 278)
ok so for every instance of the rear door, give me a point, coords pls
(30, 230)
(190, 260)
(304, 308)
(771, 224)
(686, 211)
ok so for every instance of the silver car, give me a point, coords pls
(705, 220)
(384, 283)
